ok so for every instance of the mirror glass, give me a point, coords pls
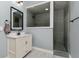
(16, 19)
(39, 16)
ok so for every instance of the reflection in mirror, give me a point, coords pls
(39, 16)
(16, 19)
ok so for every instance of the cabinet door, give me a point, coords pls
(12, 45)
(28, 45)
(20, 44)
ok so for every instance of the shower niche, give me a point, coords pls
(38, 15)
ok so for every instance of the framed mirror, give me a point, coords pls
(38, 15)
(16, 19)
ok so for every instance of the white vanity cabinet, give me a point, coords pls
(19, 46)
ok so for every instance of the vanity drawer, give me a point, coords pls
(12, 44)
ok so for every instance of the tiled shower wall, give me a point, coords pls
(59, 25)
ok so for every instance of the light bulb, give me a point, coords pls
(21, 3)
(46, 9)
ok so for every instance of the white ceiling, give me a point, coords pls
(60, 4)
(40, 8)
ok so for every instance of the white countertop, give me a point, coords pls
(18, 36)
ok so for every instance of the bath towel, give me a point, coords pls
(7, 28)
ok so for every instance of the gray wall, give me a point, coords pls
(4, 14)
(74, 29)
(42, 37)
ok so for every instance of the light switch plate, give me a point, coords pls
(1, 28)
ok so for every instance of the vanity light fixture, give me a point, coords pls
(19, 3)
(46, 9)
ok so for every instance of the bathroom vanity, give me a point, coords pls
(19, 45)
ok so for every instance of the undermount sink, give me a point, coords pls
(14, 35)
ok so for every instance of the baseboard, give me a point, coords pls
(43, 50)
(6, 57)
